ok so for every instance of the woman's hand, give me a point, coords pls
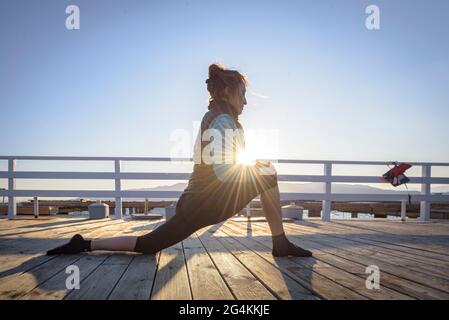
(265, 167)
(263, 163)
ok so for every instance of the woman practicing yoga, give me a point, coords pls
(219, 186)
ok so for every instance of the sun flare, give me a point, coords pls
(245, 158)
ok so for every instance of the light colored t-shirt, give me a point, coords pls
(224, 157)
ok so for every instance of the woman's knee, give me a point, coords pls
(273, 181)
(144, 244)
(171, 232)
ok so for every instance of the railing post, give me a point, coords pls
(403, 210)
(36, 207)
(118, 188)
(145, 206)
(326, 206)
(424, 213)
(12, 205)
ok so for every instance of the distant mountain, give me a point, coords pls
(290, 187)
(180, 186)
(299, 187)
(441, 189)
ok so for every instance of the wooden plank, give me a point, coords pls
(398, 227)
(32, 251)
(58, 235)
(393, 282)
(99, 284)
(433, 265)
(390, 256)
(59, 226)
(241, 282)
(171, 281)
(25, 232)
(23, 262)
(23, 246)
(425, 240)
(48, 239)
(347, 250)
(311, 266)
(237, 258)
(15, 264)
(397, 243)
(280, 284)
(138, 279)
(55, 288)
(405, 286)
(21, 279)
(322, 286)
(13, 287)
(413, 261)
(205, 281)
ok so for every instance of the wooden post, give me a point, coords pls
(424, 213)
(12, 205)
(36, 207)
(118, 200)
(403, 210)
(145, 207)
(326, 207)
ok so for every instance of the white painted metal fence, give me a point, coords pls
(425, 197)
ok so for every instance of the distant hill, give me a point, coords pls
(300, 188)
(305, 188)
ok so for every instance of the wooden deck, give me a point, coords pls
(229, 261)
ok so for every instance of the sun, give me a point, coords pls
(245, 158)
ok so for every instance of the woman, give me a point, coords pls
(219, 186)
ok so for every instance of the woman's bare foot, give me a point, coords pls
(76, 245)
(282, 247)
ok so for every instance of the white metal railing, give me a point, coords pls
(425, 197)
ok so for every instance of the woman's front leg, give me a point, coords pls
(126, 243)
(78, 244)
(282, 247)
(271, 205)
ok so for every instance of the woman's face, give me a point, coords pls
(238, 99)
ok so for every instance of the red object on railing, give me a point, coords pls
(396, 175)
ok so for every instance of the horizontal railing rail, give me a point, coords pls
(327, 178)
(185, 176)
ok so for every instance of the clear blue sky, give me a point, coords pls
(135, 72)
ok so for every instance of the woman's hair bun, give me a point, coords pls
(215, 70)
(220, 78)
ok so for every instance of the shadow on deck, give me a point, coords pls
(232, 260)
